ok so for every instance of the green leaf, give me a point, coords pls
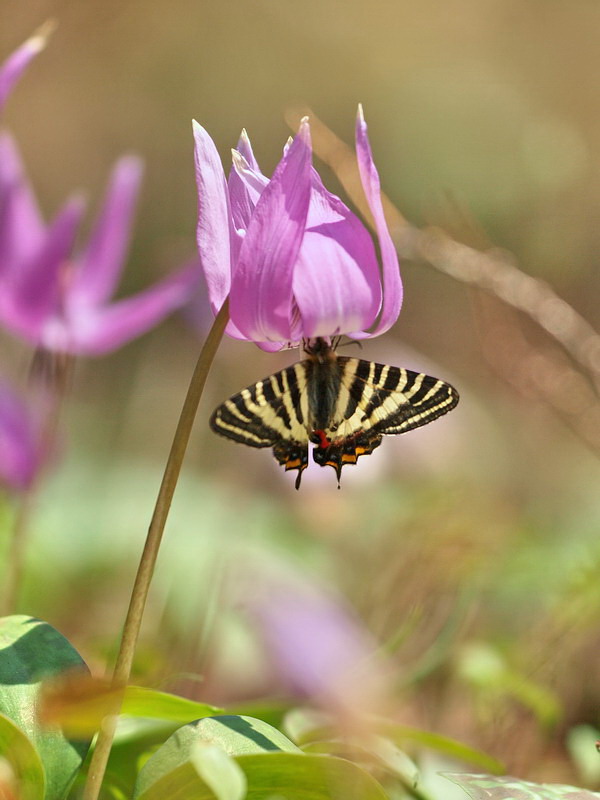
(219, 772)
(32, 651)
(581, 744)
(442, 744)
(307, 725)
(488, 787)
(285, 776)
(141, 702)
(271, 764)
(23, 773)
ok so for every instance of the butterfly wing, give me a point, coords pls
(377, 400)
(270, 413)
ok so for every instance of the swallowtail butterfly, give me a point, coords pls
(344, 406)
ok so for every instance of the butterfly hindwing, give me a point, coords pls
(270, 413)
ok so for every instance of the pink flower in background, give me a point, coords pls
(296, 262)
(316, 644)
(19, 445)
(61, 300)
(14, 66)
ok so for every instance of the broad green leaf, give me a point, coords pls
(234, 735)
(489, 787)
(271, 763)
(79, 704)
(219, 772)
(441, 744)
(22, 773)
(284, 776)
(141, 702)
(32, 651)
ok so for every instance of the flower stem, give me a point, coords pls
(139, 594)
(54, 372)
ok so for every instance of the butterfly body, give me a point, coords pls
(344, 406)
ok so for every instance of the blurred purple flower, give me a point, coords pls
(14, 66)
(19, 445)
(317, 645)
(61, 301)
(295, 261)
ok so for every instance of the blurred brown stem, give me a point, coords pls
(145, 571)
(55, 384)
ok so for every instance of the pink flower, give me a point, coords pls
(317, 646)
(296, 262)
(14, 66)
(58, 299)
(19, 445)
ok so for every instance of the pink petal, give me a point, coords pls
(244, 148)
(215, 231)
(261, 291)
(336, 282)
(392, 283)
(21, 226)
(95, 332)
(18, 445)
(245, 187)
(35, 291)
(14, 66)
(101, 263)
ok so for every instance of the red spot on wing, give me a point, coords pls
(323, 440)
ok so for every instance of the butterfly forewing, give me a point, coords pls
(343, 405)
(391, 400)
(270, 413)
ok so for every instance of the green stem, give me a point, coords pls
(54, 370)
(141, 586)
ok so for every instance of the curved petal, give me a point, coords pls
(19, 457)
(244, 147)
(95, 332)
(254, 181)
(21, 226)
(392, 283)
(261, 290)
(14, 66)
(242, 205)
(101, 263)
(336, 283)
(215, 232)
(34, 293)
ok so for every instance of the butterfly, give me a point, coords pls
(344, 406)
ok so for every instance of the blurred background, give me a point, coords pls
(469, 548)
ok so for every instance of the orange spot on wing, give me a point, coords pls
(294, 464)
(348, 458)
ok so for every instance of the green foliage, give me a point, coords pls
(33, 651)
(484, 787)
(22, 773)
(217, 757)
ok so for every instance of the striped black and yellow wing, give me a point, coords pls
(376, 400)
(270, 413)
(344, 406)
